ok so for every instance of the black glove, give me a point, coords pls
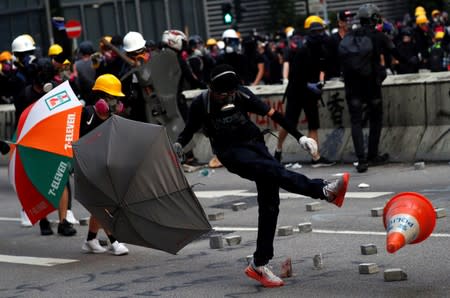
(4, 147)
(178, 151)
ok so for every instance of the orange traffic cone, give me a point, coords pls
(408, 218)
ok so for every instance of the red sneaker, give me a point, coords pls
(336, 189)
(264, 276)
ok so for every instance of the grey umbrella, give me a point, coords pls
(128, 176)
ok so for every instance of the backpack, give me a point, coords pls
(436, 59)
(356, 53)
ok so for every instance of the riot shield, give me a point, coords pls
(161, 105)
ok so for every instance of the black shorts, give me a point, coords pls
(308, 103)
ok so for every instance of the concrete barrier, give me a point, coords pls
(416, 120)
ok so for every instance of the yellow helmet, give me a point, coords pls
(439, 35)
(55, 50)
(5, 56)
(211, 42)
(421, 19)
(419, 10)
(435, 12)
(312, 20)
(108, 83)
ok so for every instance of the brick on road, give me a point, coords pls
(368, 249)
(239, 206)
(368, 268)
(376, 212)
(395, 274)
(215, 241)
(305, 227)
(313, 206)
(216, 216)
(285, 231)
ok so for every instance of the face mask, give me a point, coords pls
(105, 108)
(225, 103)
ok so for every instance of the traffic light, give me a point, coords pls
(227, 14)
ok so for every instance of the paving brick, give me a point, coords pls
(305, 227)
(233, 240)
(368, 268)
(313, 206)
(249, 259)
(239, 206)
(440, 212)
(216, 216)
(419, 165)
(368, 249)
(376, 212)
(285, 231)
(215, 241)
(395, 274)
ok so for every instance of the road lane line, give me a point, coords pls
(320, 231)
(47, 262)
(284, 195)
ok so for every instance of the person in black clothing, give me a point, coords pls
(107, 91)
(344, 19)
(366, 89)
(222, 112)
(306, 80)
(408, 51)
(233, 56)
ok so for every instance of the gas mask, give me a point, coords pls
(107, 107)
(224, 101)
(232, 45)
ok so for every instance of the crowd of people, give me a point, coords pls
(111, 78)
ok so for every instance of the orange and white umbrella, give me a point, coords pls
(41, 156)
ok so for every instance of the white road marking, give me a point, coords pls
(283, 195)
(9, 219)
(47, 262)
(319, 231)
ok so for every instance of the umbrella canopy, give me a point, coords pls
(128, 176)
(41, 155)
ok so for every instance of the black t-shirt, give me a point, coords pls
(224, 128)
(89, 120)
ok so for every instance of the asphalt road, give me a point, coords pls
(199, 271)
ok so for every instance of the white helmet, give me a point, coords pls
(23, 43)
(229, 33)
(173, 39)
(133, 41)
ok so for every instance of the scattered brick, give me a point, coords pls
(215, 241)
(376, 212)
(368, 249)
(395, 274)
(285, 231)
(368, 268)
(233, 240)
(313, 206)
(305, 227)
(216, 216)
(239, 206)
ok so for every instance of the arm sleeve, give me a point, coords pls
(288, 126)
(193, 123)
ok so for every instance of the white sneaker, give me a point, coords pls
(24, 220)
(71, 218)
(93, 246)
(118, 248)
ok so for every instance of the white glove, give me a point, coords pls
(309, 145)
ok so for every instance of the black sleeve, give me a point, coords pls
(194, 121)
(288, 126)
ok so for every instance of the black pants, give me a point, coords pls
(254, 162)
(360, 91)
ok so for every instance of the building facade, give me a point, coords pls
(152, 17)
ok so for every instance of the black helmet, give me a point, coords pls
(86, 47)
(223, 78)
(369, 14)
(195, 41)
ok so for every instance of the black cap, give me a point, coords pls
(344, 15)
(86, 47)
(224, 78)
